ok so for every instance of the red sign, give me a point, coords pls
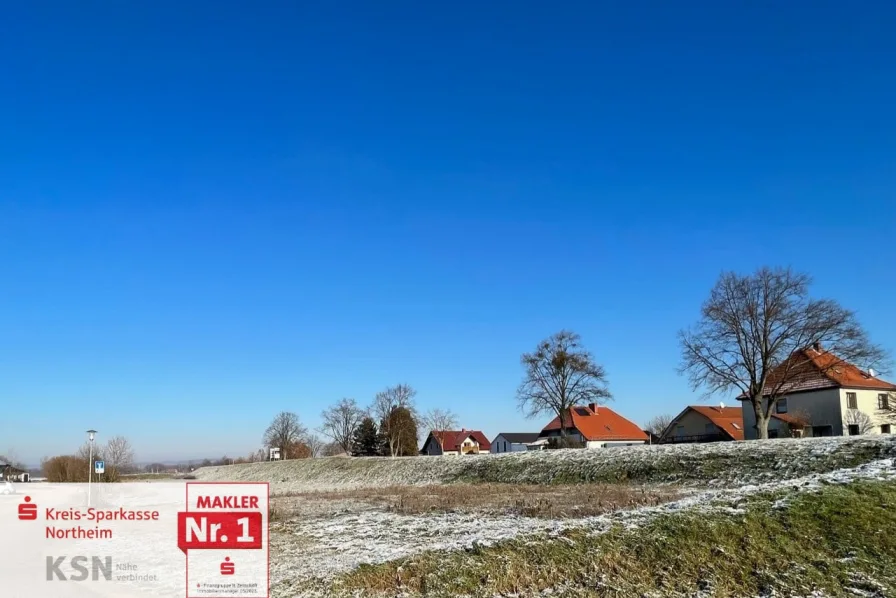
(218, 530)
(27, 511)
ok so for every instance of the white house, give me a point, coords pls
(513, 442)
(830, 396)
(455, 442)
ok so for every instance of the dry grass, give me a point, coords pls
(554, 502)
(832, 543)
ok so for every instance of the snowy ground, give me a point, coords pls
(331, 536)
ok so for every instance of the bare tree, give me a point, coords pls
(437, 419)
(861, 420)
(287, 433)
(315, 445)
(560, 374)
(400, 395)
(119, 454)
(657, 425)
(340, 422)
(755, 337)
(394, 408)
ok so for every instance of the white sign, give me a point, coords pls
(99, 467)
(275, 454)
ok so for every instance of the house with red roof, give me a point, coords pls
(705, 423)
(827, 395)
(718, 423)
(455, 442)
(596, 426)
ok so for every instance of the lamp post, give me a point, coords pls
(91, 434)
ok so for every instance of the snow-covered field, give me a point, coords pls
(327, 537)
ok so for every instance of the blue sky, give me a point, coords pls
(212, 213)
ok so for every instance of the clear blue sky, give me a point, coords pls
(213, 211)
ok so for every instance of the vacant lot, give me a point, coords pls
(524, 500)
(766, 518)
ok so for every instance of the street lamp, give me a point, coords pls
(91, 434)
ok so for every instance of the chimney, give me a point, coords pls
(817, 346)
(592, 407)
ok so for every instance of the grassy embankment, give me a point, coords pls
(720, 463)
(838, 538)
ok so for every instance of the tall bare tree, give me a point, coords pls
(658, 424)
(287, 433)
(119, 454)
(560, 374)
(385, 404)
(754, 335)
(393, 408)
(400, 395)
(341, 421)
(438, 419)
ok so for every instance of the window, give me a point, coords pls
(710, 428)
(853, 429)
(736, 427)
(851, 401)
(885, 429)
(781, 406)
(883, 401)
(772, 433)
(679, 431)
(505, 446)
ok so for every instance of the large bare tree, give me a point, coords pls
(287, 433)
(755, 337)
(341, 421)
(438, 419)
(394, 408)
(560, 374)
(119, 454)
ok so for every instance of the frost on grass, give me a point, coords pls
(331, 536)
(713, 464)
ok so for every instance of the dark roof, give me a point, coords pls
(520, 437)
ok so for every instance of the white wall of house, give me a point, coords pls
(824, 407)
(866, 401)
(502, 445)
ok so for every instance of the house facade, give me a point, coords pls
(514, 442)
(705, 423)
(830, 397)
(455, 442)
(596, 426)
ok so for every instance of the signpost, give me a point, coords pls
(99, 467)
(275, 454)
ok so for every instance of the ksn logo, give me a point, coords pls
(27, 510)
(228, 568)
